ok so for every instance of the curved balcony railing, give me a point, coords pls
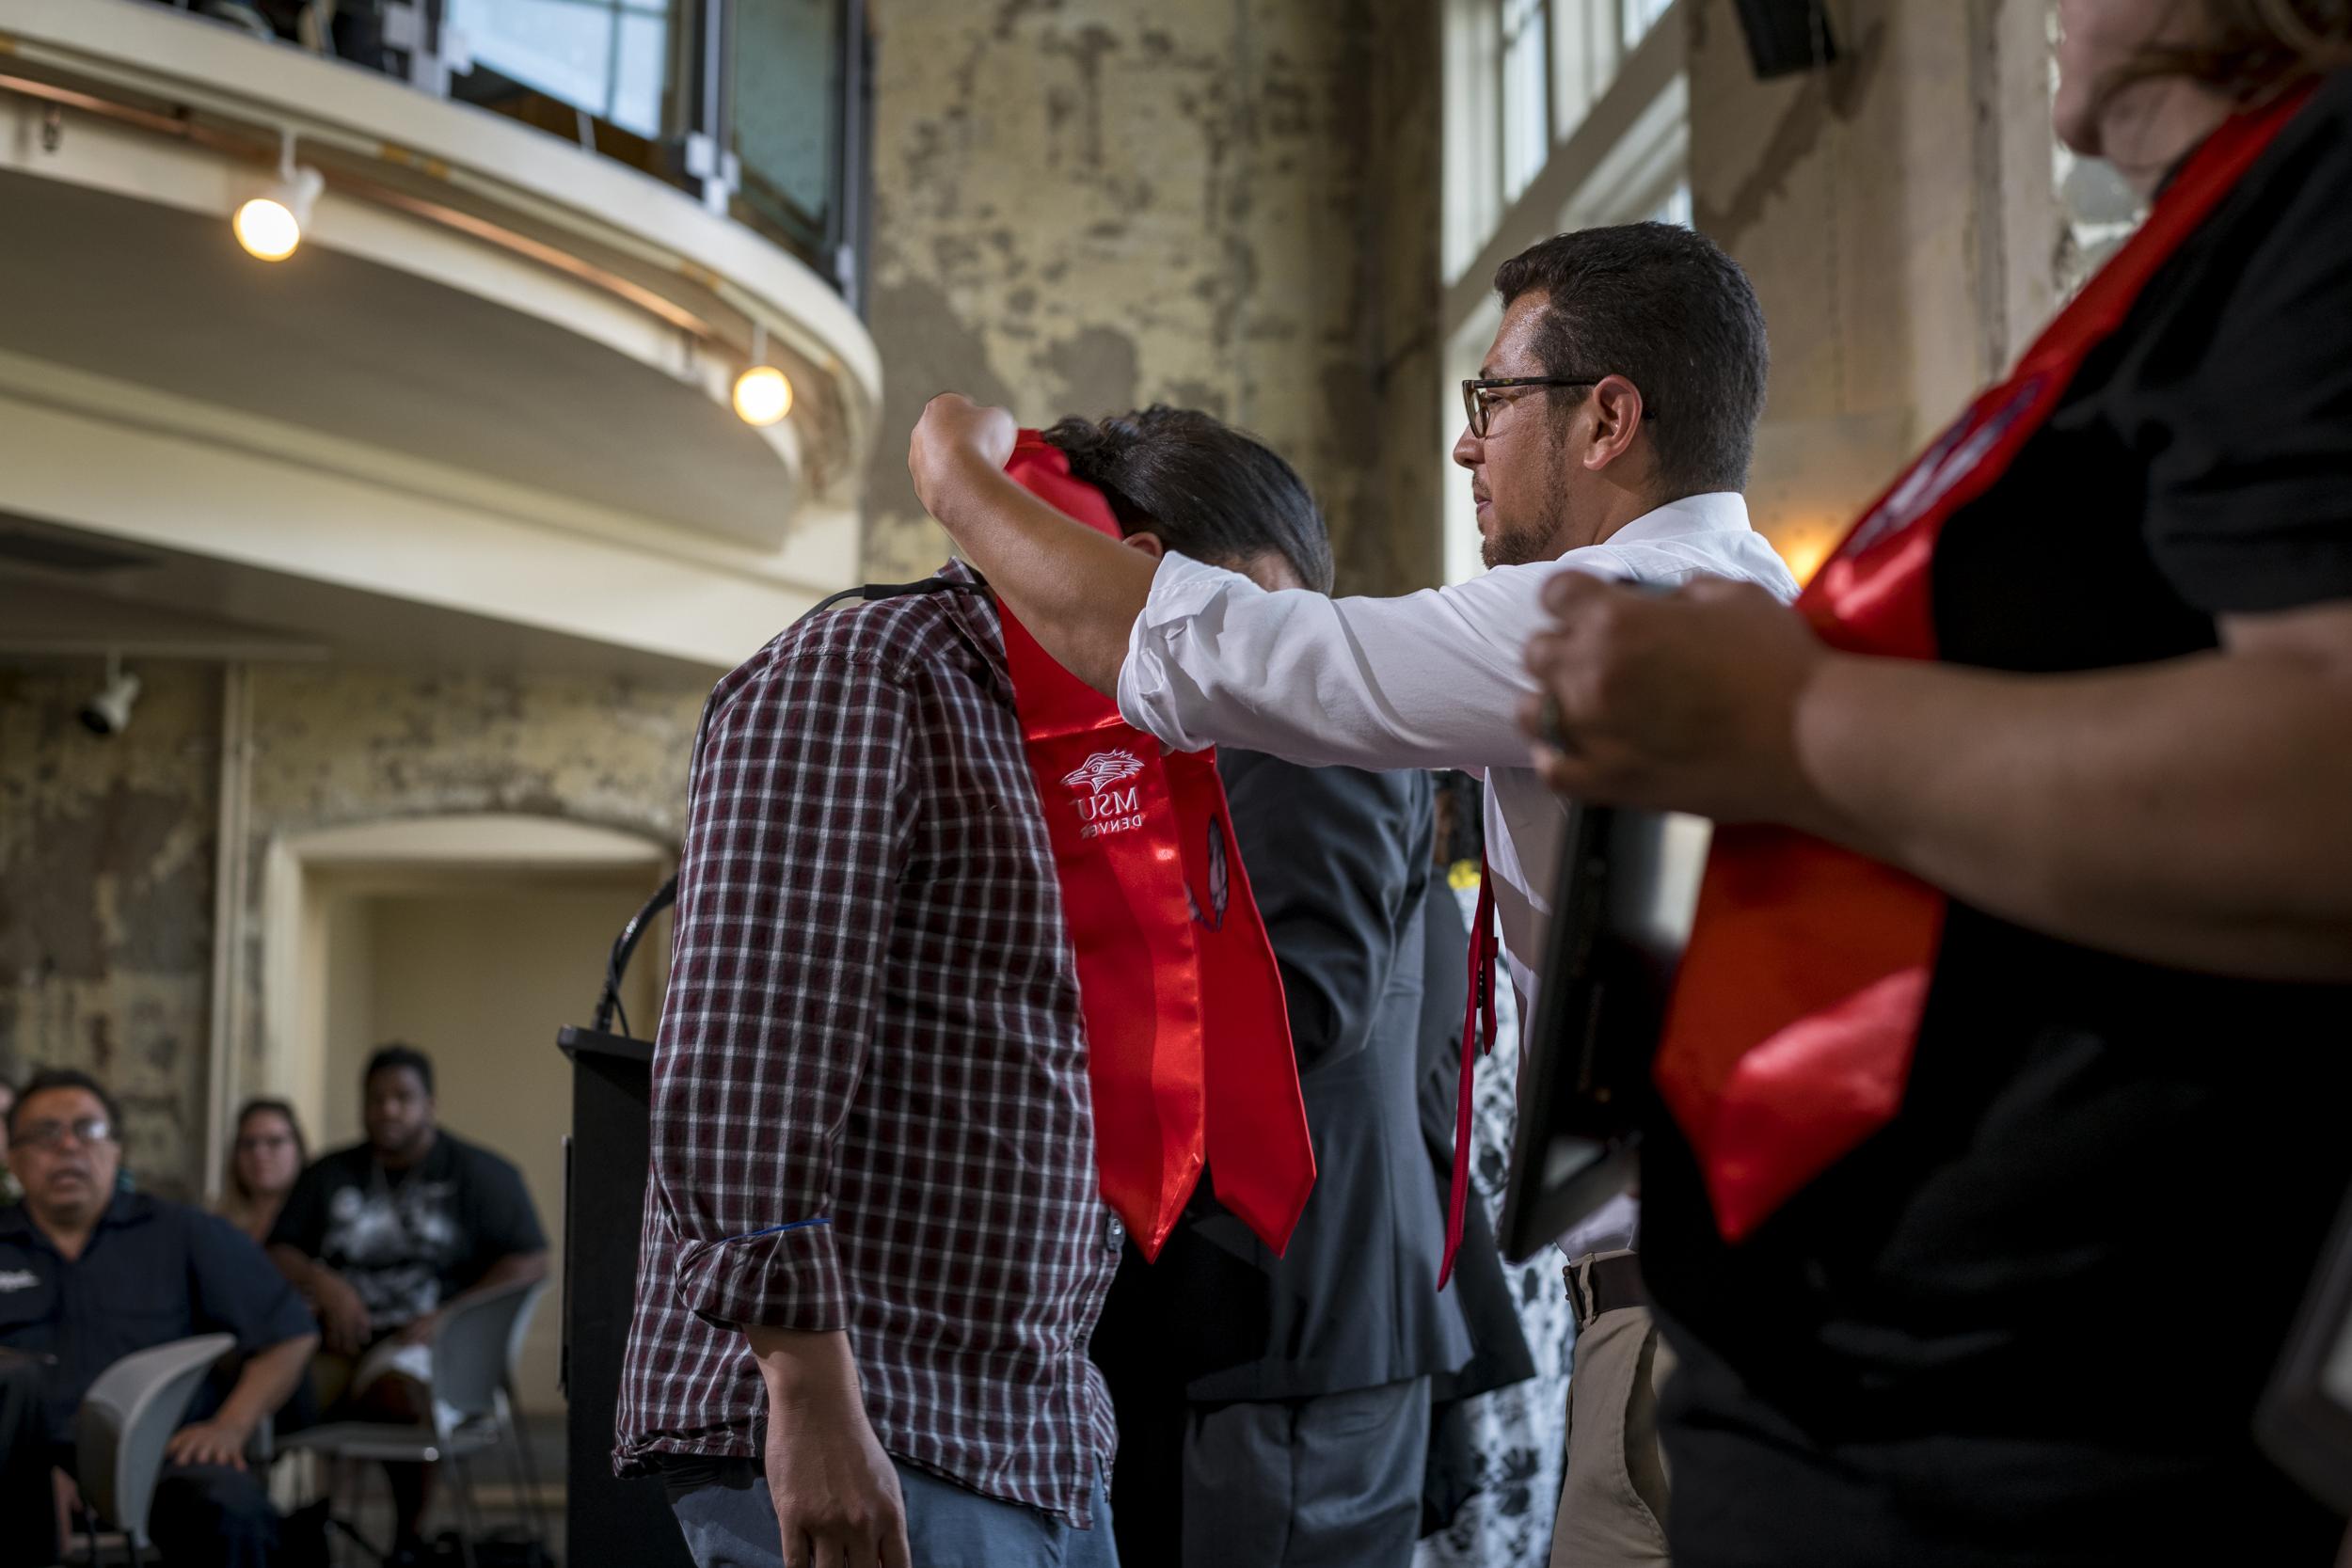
(757, 108)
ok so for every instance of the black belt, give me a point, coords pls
(1606, 1285)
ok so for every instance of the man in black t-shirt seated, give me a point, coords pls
(384, 1237)
(89, 1275)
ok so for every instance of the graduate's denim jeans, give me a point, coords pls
(723, 1510)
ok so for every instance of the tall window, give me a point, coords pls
(1559, 114)
(610, 57)
(1637, 17)
(1526, 91)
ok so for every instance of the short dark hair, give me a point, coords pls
(1206, 489)
(399, 1055)
(52, 1078)
(1663, 307)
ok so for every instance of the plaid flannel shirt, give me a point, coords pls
(870, 1108)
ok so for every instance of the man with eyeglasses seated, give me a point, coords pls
(89, 1275)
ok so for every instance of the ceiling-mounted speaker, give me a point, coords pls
(1787, 36)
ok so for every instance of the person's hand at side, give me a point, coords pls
(218, 1441)
(834, 1490)
(1687, 701)
(956, 437)
(343, 1315)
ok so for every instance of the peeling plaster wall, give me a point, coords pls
(334, 746)
(1898, 217)
(106, 864)
(1082, 206)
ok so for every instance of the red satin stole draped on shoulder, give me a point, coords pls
(1188, 1043)
(1791, 1034)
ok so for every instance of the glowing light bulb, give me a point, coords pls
(762, 395)
(267, 228)
(269, 225)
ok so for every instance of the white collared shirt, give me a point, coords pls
(1430, 680)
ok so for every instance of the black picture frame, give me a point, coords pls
(1625, 893)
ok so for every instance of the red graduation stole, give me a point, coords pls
(1798, 1004)
(1188, 1040)
(1478, 1039)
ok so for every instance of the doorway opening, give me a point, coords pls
(473, 939)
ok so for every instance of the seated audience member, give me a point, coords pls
(384, 1237)
(265, 1157)
(89, 1275)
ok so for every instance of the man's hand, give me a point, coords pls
(956, 433)
(1683, 702)
(342, 1317)
(836, 1493)
(218, 1441)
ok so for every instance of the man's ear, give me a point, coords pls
(1148, 543)
(1616, 405)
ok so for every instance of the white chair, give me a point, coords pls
(125, 1421)
(469, 1358)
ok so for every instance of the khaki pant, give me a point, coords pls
(1613, 1497)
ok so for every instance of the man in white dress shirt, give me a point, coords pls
(1608, 432)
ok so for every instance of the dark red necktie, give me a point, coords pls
(1478, 1039)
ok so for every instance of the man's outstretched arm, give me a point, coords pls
(1077, 591)
(1201, 657)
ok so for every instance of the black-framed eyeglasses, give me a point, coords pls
(1478, 398)
(48, 1134)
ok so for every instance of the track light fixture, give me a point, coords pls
(763, 395)
(109, 713)
(269, 224)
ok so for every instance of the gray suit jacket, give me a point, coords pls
(1339, 861)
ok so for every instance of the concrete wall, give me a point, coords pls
(107, 856)
(335, 747)
(1899, 215)
(1083, 206)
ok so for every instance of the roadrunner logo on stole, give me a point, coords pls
(1104, 808)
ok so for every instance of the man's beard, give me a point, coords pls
(1528, 542)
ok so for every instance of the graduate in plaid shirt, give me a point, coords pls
(873, 1247)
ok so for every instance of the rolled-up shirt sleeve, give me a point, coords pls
(786, 888)
(1432, 679)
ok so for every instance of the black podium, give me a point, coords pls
(607, 1520)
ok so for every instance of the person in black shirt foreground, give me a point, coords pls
(385, 1236)
(2027, 1319)
(89, 1275)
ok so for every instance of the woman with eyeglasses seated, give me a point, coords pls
(267, 1155)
